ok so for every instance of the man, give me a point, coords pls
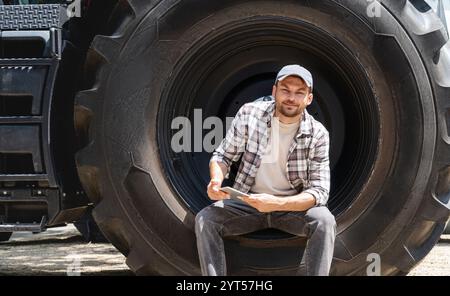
(284, 167)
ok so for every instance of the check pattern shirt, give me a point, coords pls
(307, 167)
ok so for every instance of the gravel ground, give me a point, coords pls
(62, 251)
(59, 251)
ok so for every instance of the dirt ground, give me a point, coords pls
(62, 251)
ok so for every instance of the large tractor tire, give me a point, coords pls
(382, 88)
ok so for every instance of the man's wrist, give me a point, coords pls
(299, 202)
(284, 203)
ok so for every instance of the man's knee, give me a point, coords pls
(323, 217)
(206, 218)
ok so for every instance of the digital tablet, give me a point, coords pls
(234, 194)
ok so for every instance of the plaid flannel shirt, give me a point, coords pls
(307, 167)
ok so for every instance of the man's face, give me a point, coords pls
(292, 96)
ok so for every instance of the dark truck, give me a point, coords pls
(89, 91)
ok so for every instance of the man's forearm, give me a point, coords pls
(217, 170)
(297, 203)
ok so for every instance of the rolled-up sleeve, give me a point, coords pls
(232, 147)
(319, 170)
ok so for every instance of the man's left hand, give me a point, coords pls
(265, 203)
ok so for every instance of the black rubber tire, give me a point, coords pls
(89, 229)
(398, 212)
(5, 236)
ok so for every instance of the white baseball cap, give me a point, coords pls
(295, 70)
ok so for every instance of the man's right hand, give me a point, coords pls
(213, 190)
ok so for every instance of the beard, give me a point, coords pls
(290, 110)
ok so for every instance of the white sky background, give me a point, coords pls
(434, 3)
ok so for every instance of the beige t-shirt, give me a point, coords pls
(271, 177)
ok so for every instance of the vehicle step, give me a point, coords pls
(33, 227)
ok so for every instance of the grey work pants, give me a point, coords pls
(230, 217)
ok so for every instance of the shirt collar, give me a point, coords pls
(305, 125)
